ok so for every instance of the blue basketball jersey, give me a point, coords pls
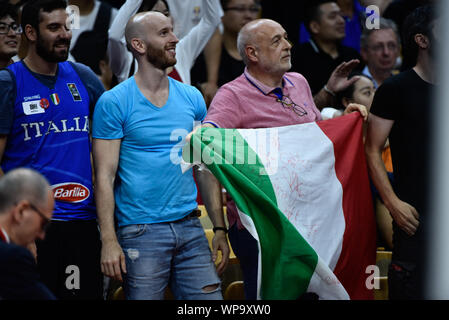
(50, 134)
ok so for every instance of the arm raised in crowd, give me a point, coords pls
(337, 82)
(120, 59)
(196, 40)
(212, 57)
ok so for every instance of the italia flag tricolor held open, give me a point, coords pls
(303, 193)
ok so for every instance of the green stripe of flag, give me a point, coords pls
(288, 261)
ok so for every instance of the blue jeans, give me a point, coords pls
(172, 253)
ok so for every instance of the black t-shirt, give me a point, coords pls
(229, 69)
(316, 65)
(406, 99)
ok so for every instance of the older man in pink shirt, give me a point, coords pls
(264, 96)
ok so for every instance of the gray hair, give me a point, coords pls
(246, 36)
(383, 24)
(243, 39)
(22, 184)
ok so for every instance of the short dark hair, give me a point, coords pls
(147, 5)
(312, 12)
(348, 93)
(7, 9)
(419, 21)
(224, 3)
(31, 11)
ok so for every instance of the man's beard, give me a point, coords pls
(51, 55)
(159, 59)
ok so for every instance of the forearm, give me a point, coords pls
(195, 41)
(119, 56)
(379, 177)
(104, 198)
(126, 11)
(210, 190)
(212, 55)
(323, 99)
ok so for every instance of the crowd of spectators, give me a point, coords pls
(338, 57)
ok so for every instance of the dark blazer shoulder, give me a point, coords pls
(19, 277)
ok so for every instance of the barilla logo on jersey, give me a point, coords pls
(70, 192)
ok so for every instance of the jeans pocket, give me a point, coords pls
(131, 231)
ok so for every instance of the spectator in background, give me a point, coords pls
(380, 50)
(237, 13)
(26, 207)
(46, 103)
(381, 4)
(353, 14)
(317, 58)
(90, 38)
(402, 110)
(189, 47)
(186, 15)
(397, 11)
(10, 33)
(362, 92)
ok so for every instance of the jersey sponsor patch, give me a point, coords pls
(32, 107)
(74, 92)
(70, 192)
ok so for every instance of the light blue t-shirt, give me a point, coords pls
(149, 186)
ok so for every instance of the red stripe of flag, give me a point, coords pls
(359, 239)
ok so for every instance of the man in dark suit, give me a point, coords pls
(26, 207)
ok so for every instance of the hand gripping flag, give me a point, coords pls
(303, 193)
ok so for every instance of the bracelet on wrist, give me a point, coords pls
(329, 91)
(220, 228)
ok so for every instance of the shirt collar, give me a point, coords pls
(266, 90)
(4, 236)
(314, 46)
(318, 49)
(366, 72)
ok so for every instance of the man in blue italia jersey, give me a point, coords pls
(45, 106)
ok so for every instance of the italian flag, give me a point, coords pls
(54, 98)
(303, 193)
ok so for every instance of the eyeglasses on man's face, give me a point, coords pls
(5, 27)
(381, 47)
(287, 102)
(45, 221)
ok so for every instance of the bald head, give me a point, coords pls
(140, 24)
(22, 184)
(252, 33)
